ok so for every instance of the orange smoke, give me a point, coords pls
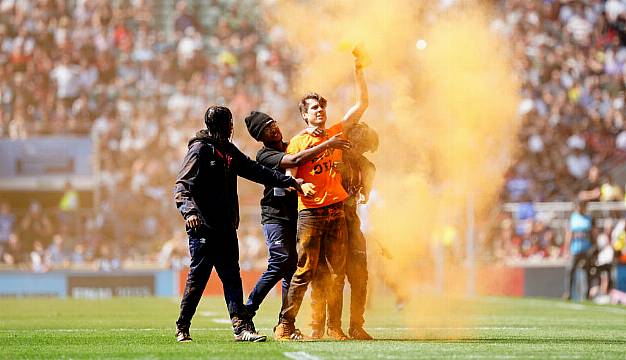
(445, 110)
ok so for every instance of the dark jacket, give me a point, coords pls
(207, 182)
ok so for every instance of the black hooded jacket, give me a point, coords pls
(206, 185)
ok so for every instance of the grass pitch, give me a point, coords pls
(144, 328)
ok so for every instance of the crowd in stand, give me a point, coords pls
(571, 56)
(105, 69)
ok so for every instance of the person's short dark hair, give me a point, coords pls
(219, 122)
(312, 95)
(361, 133)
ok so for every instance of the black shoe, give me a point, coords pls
(358, 333)
(182, 335)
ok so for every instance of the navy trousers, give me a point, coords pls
(211, 249)
(281, 243)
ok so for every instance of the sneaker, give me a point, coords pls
(285, 332)
(336, 333)
(317, 333)
(251, 336)
(358, 333)
(182, 335)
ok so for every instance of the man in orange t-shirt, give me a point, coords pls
(321, 221)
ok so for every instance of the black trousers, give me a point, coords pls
(211, 249)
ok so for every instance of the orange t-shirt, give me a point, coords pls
(320, 171)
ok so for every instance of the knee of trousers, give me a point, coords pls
(337, 280)
(357, 275)
(197, 272)
(278, 264)
(302, 275)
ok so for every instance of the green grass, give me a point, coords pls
(501, 328)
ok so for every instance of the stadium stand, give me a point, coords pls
(136, 76)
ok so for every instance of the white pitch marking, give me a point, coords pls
(207, 313)
(571, 306)
(119, 329)
(221, 321)
(301, 355)
(226, 321)
(453, 328)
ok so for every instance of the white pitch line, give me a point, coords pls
(221, 321)
(207, 313)
(597, 308)
(571, 306)
(226, 321)
(301, 355)
(119, 329)
(452, 328)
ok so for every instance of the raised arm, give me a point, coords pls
(356, 111)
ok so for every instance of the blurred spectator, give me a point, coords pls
(602, 282)
(610, 191)
(591, 187)
(78, 255)
(184, 19)
(69, 205)
(38, 258)
(618, 240)
(174, 251)
(7, 223)
(578, 163)
(252, 250)
(35, 227)
(56, 252)
(106, 260)
(67, 79)
(578, 242)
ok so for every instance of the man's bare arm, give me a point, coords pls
(295, 160)
(356, 111)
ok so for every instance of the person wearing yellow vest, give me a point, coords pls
(321, 229)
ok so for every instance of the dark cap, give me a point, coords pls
(256, 122)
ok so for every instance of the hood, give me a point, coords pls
(203, 136)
